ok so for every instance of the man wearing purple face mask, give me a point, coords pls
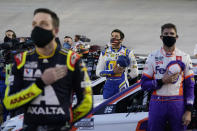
(108, 67)
(168, 75)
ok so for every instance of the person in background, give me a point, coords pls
(78, 42)
(109, 67)
(44, 80)
(68, 42)
(168, 75)
(9, 36)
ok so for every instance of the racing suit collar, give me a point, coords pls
(116, 50)
(167, 54)
(41, 56)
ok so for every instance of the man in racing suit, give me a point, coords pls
(168, 75)
(44, 80)
(108, 67)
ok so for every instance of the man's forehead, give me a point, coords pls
(67, 39)
(9, 32)
(116, 33)
(169, 30)
(42, 16)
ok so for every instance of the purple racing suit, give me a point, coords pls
(168, 101)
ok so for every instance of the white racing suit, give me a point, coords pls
(106, 63)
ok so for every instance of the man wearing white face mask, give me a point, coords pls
(43, 80)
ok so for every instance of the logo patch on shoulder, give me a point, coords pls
(179, 58)
(73, 58)
(18, 58)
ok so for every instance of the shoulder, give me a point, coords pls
(182, 55)
(154, 54)
(64, 51)
(72, 58)
(104, 51)
(180, 52)
(20, 58)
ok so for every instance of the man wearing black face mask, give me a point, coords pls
(168, 75)
(115, 73)
(43, 80)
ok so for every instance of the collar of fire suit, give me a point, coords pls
(49, 56)
(116, 50)
(166, 54)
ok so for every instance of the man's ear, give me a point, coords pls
(56, 30)
(161, 37)
(177, 36)
(121, 40)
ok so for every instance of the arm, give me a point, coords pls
(83, 92)
(100, 69)
(189, 85)
(17, 93)
(188, 92)
(133, 66)
(147, 81)
(149, 84)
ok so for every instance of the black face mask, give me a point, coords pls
(114, 40)
(169, 41)
(7, 39)
(41, 37)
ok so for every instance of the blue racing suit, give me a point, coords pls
(106, 63)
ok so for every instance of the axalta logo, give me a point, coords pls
(21, 98)
(45, 110)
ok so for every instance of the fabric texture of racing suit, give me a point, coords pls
(51, 104)
(168, 101)
(106, 63)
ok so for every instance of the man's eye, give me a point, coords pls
(171, 33)
(165, 33)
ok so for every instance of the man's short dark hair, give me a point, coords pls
(120, 32)
(167, 26)
(53, 15)
(78, 36)
(68, 37)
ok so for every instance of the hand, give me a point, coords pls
(169, 78)
(118, 70)
(186, 118)
(51, 75)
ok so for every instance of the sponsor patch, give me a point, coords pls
(38, 73)
(18, 58)
(109, 109)
(85, 84)
(179, 58)
(45, 110)
(159, 60)
(45, 61)
(11, 78)
(28, 72)
(190, 102)
(32, 65)
(85, 124)
(21, 98)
